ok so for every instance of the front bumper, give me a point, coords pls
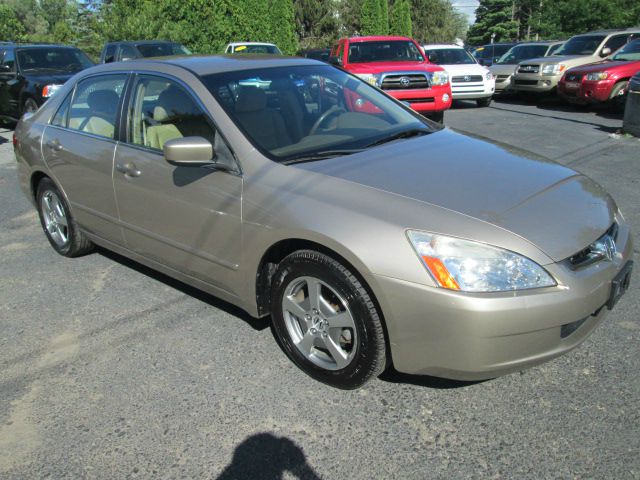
(439, 332)
(503, 83)
(534, 82)
(433, 99)
(586, 91)
(472, 91)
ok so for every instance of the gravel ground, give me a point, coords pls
(110, 370)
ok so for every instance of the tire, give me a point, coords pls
(618, 96)
(55, 217)
(338, 339)
(484, 102)
(29, 106)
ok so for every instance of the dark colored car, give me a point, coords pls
(631, 122)
(487, 55)
(321, 54)
(123, 51)
(30, 74)
(606, 81)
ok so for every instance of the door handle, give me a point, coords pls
(54, 145)
(129, 169)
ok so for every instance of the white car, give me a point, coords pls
(252, 47)
(469, 79)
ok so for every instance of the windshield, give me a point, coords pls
(306, 112)
(631, 51)
(491, 51)
(582, 45)
(61, 59)
(384, 51)
(162, 49)
(449, 56)
(265, 49)
(522, 52)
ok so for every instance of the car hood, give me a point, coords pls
(385, 67)
(468, 69)
(555, 208)
(569, 60)
(49, 76)
(503, 69)
(606, 65)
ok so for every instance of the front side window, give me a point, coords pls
(110, 53)
(161, 110)
(46, 58)
(630, 52)
(127, 52)
(449, 56)
(384, 51)
(521, 52)
(94, 107)
(303, 112)
(582, 45)
(614, 43)
(9, 61)
(553, 50)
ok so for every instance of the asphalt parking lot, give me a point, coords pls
(109, 370)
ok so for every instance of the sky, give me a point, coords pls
(468, 7)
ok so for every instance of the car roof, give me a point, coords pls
(209, 64)
(610, 32)
(376, 38)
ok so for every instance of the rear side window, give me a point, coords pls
(94, 107)
(60, 118)
(161, 110)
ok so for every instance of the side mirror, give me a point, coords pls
(5, 68)
(189, 152)
(433, 57)
(337, 61)
(606, 51)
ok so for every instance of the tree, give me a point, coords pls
(10, 26)
(436, 21)
(316, 23)
(282, 26)
(494, 17)
(371, 22)
(400, 19)
(384, 17)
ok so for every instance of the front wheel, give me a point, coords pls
(326, 321)
(618, 97)
(58, 225)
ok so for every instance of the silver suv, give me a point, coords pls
(542, 74)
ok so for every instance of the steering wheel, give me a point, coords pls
(332, 112)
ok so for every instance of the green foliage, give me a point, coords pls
(436, 21)
(10, 26)
(384, 17)
(371, 17)
(400, 19)
(316, 23)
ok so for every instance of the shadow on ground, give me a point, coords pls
(265, 456)
(255, 323)
(391, 375)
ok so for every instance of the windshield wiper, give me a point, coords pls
(322, 155)
(416, 132)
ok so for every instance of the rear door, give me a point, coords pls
(9, 84)
(187, 218)
(78, 146)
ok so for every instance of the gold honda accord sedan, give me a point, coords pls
(290, 188)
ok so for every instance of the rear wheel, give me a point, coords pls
(58, 225)
(618, 96)
(484, 102)
(326, 321)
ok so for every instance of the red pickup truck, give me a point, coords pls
(605, 81)
(398, 66)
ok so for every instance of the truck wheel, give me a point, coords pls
(618, 96)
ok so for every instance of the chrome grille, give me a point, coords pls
(592, 254)
(573, 77)
(466, 78)
(502, 78)
(528, 68)
(404, 81)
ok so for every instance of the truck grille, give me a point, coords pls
(405, 81)
(528, 68)
(466, 78)
(573, 77)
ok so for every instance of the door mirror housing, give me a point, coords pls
(433, 57)
(189, 152)
(5, 68)
(606, 51)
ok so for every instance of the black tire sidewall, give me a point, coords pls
(370, 341)
(47, 185)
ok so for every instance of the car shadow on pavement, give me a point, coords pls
(255, 323)
(391, 375)
(265, 456)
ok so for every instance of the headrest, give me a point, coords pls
(251, 99)
(171, 102)
(103, 101)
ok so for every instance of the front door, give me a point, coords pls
(187, 218)
(78, 146)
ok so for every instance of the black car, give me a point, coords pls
(29, 74)
(321, 54)
(123, 51)
(488, 54)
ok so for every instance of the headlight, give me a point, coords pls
(49, 90)
(488, 76)
(553, 69)
(438, 78)
(595, 76)
(468, 266)
(369, 78)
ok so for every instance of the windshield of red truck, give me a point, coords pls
(384, 51)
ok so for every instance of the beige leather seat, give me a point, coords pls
(103, 105)
(171, 103)
(263, 124)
